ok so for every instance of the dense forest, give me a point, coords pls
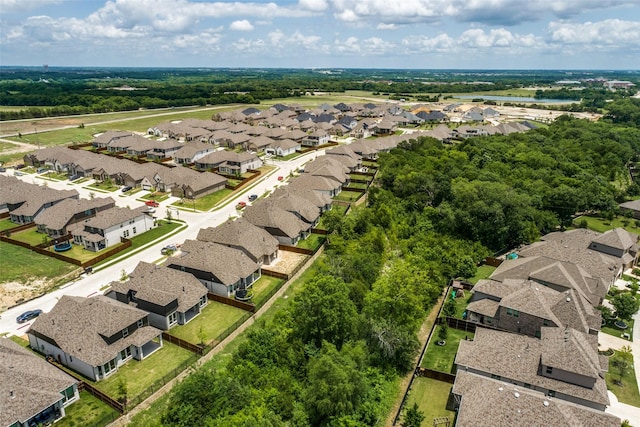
(67, 91)
(333, 356)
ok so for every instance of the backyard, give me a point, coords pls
(204, 203)
(431, 396)
(313, 242)
(214, 319)
(30, 236)
(263, 286)
(141, 374)
(348, 196)
(88, 411)
(601, 224)
(441, 357)
(483, 272)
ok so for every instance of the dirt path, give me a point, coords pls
(422, 337)
(22, 147)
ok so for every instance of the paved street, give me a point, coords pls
(89, 285)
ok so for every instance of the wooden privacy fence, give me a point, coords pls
(232, 302)
(276, 274)
(194, 348)
(436, 375)
(120, 407)
(295, 249)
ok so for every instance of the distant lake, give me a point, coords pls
(518, 99)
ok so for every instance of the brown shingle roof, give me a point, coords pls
(243, 235)
(77, 325)
(28, 384)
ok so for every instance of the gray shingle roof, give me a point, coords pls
(34, 383)
(227, 264)
(58, 216)
(243, 235)
(517, 357)
(267, 215)
(77, 325)
(162, 285)
(488, 402)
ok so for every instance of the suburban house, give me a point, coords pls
(94, 336)
(229, 162)
(189, 153)
(632, 206)
(25, 201)
(280, 223)
(605, 255)
(346, 156)
(222, 269)
(329, 167)
(326, 186)
(315, 139)
(283, 147)
(108, 227)
(103, 139)
(318, 199)
(32, 391)
(55, 220)
(260, 143)
(558, 275)
(384, 127)
(563, 364)
(486, 402)
(171, 297)
(240, 234)
(304, 209)
(524, 307)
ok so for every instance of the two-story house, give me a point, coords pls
(171, 297)
(94, 336)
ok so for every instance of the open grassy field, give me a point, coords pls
(203, 203)
(26, 266)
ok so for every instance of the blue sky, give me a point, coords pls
(496, 34)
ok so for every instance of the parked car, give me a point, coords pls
(28, 315)
(169, 249)
(253, 197)
(126, 188)
(152, 203)
(280, 178)
(241, 205)
(3, 169)
(18, 173)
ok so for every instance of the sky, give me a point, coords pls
(417, 34)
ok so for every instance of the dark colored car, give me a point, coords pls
(253, 197)
(152, 203)
(28, 315)
(126, 188)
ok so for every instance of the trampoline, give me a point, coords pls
(62, 247)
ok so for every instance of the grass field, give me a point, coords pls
(348, 196)
(140, 374)
(212, 321)
(88, 411)
(627, 392)
(203, 203)
(440, 358)
(25, 265)
(483, 272)
(313, 242)
(30, 236)
(431, 396)
(601, 225)
(6, 224)
(262, 287)
(611, 329)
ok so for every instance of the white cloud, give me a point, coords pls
(314, 5)
(9, 6)
(382, 26)
(494, 12)
(242, 25)
(607, 33)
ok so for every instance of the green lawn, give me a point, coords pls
(611, 329)
(88, 411)
(357, 185)
(204, 203)
(262, 287)
(157, 196)
(431, 396)
(348, 196)
(313, 242)
(212, 321)
(483, 272)
(440, 358)
(628, 391)
(601, 225)
(140, 375)
(30, 236)
(6, 224)
(102, 187)
(80, 253)
(361, 177)
(27, 265)
(461, 303)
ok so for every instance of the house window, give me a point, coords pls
(526, 385)
(549, 370)
(488, 320)
(203, 301)
(512, 312)
(125, 233)
(140, 323)
(125, 332)
(551, 393)
(537, 333)
(134, 230)
(68, 394)
(173, 318)
(496, 377)
(545, 322)
(126, 353)
(109, 366)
